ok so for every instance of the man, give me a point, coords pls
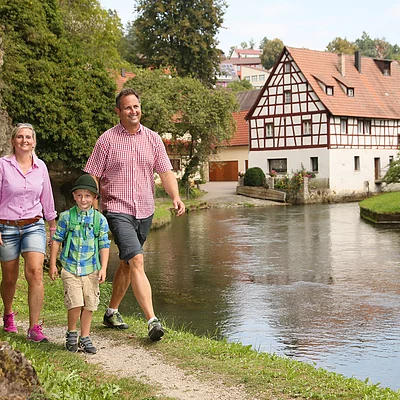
(123, 162)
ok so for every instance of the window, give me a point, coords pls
(176, 164)
(343, 125)
(391, 158)
(287, 66)
(356, 163)
(350, 92)
(329, 90)
(278, 165)
(254, 78)
(314, 164)
(238, 68)
(288, 96)
(247, 78)
(261, 78)
(306, 128)
(363, 126)
(269, 128)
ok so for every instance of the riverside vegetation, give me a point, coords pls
(65, 375)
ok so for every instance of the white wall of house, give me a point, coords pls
(336, 164)
(239, 153)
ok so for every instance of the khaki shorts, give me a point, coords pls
(81, 291)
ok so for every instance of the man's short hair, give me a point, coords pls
(125, 92)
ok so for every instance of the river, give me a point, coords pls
(314, 283)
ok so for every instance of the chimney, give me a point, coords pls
(123, 72)
(341, 64)
(357, 60)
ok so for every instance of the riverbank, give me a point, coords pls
(382, 209)
(180, 366)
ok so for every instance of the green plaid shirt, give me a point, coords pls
(81, 259)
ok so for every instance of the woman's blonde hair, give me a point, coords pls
(14, 132)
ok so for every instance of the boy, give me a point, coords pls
(81, 270)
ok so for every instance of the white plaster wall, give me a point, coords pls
(234, 153)
(344, 178)
(294, 160)
(336, 164)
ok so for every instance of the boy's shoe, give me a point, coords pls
(115, 321)
(156, 331)
(86, 345)
(36, 335)
(71, 341)
(9, 323)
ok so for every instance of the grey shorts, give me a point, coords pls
(129, 233)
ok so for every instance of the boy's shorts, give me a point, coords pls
(18, 240)
(129, 233)
(81, 291)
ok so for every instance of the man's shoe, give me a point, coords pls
(9, 323)
(115, 321)
(71, 341)
(156, 331)
(86, 345)
(36, 335)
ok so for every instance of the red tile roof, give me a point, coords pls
(375, 95)
(241, 137)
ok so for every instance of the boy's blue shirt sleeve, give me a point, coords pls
(104, 241)
(62, 227)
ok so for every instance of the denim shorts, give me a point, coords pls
(18, 240)
(129, 233)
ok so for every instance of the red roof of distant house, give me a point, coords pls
(122, 78)
(241, 137)
(243, 52)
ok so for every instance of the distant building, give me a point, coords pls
(337, 116)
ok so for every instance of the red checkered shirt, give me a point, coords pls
(125, 164)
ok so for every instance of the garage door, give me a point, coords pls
(224, 171)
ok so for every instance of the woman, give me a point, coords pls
(25, 198)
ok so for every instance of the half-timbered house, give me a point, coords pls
(337, 116)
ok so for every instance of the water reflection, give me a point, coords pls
(315, 283)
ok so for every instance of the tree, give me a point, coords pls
(252, 44)
(181, 35)
(393, 173)
(49, 82)
(93, 29)
(270, 52)
(128, 46)
(341, 46)
(243, 45)
(240, 86)
(193, 114)
(366, 45)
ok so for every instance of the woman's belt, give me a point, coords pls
(20, 222)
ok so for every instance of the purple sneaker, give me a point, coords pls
(36, 335)
(9, 323)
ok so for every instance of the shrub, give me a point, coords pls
(254, 177)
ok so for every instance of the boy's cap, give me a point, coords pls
(85, 182)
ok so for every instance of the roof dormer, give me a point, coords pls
(384, 66)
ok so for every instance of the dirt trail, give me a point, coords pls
(148, 367)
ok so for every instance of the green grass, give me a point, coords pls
(264, 375)
(386, 203)
(65, 375)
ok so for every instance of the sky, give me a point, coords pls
(309, 23)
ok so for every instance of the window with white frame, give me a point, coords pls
(287, 66)
(343, 125)
(261, 78)
(314, 164)
(278, 165)
(350, 92)
(329, 90)
(269, 130)
(288, 96)
(306, 128)
(254, 78)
